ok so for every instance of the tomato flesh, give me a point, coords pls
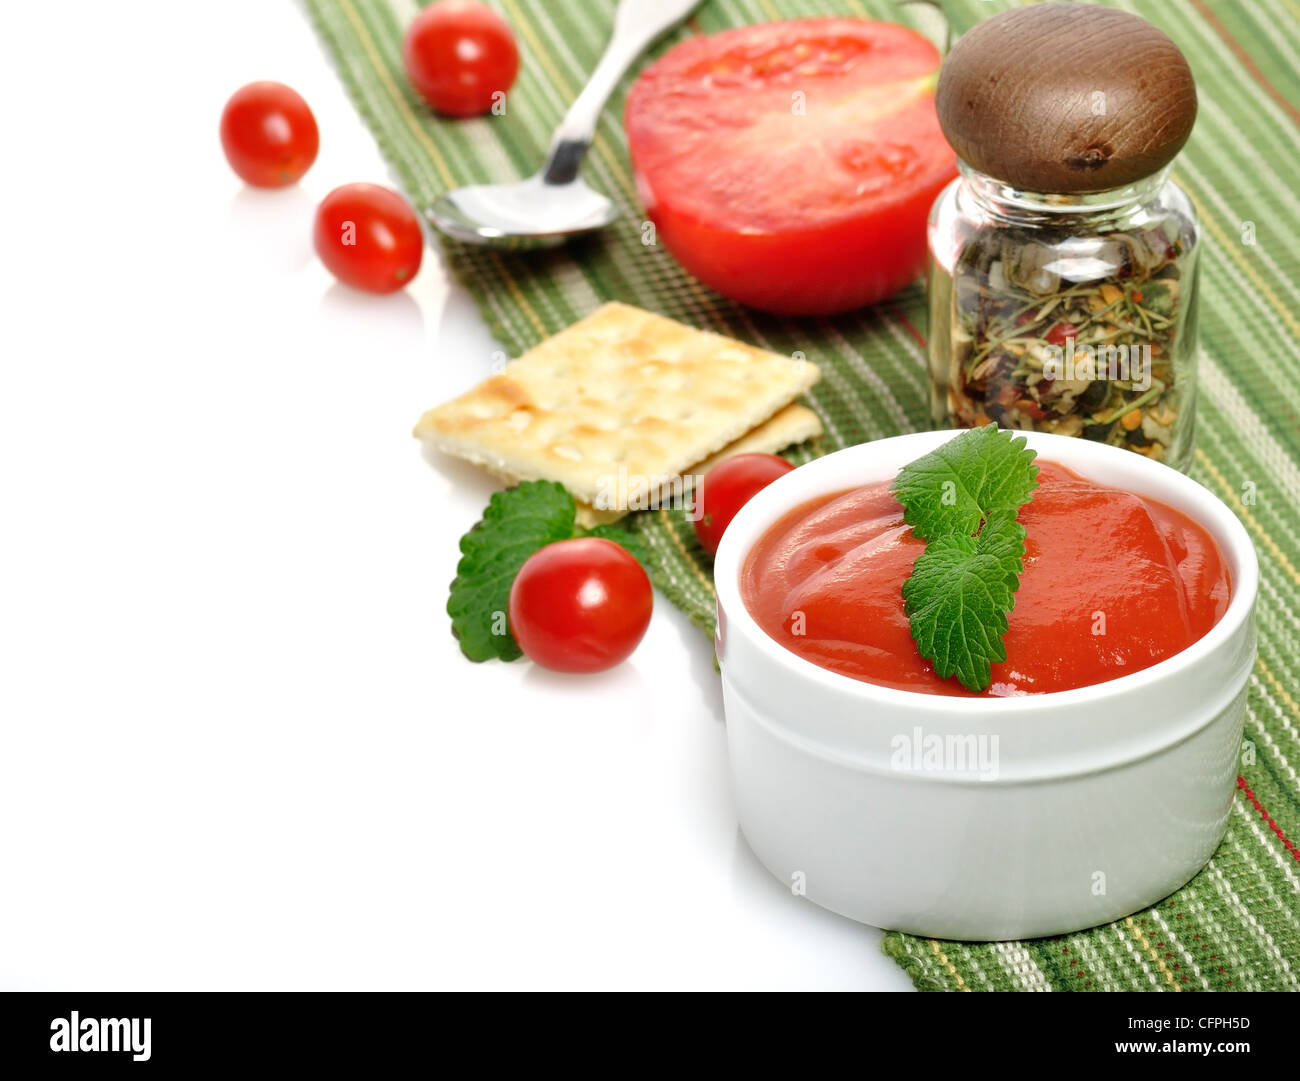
(269, 134)
(1113, 583)
(580, 605)
(459, 55)
(791, 166)
(727, 487)
(369, 237)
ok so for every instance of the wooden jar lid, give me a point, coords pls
(1066, 97)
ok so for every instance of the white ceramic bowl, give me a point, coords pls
(1102, 800)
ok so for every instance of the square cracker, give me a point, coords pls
(621, 389)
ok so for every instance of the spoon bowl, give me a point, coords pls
(529, 213)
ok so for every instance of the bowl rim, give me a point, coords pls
(801, 485)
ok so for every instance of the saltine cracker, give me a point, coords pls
(621, 390)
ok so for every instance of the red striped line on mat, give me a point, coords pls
(907, 326)
(1241, 783)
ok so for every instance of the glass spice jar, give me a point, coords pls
(1063, 260)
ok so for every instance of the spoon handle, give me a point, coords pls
(636, 24)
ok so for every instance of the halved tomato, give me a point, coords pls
(791, 165)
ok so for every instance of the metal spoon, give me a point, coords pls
(555, 203)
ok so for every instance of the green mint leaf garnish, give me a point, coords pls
(516, 523)
(962, 499)
(955, 487)
(958, 597)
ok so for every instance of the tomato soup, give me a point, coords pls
(1113, 583)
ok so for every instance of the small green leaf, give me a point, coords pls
(515, 524)
(951, 490)
(962, 499)
(958, 598)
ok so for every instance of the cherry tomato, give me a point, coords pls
(727, 487)
(580, 605)
(791, 165)
(458, 54)
(368, 237)
(269, 134)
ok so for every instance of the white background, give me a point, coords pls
(239, 746)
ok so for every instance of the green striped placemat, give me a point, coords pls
(1236, 926)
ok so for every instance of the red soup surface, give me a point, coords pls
(1113, 583)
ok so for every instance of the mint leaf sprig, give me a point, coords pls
(516, 523)
(962, 499)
